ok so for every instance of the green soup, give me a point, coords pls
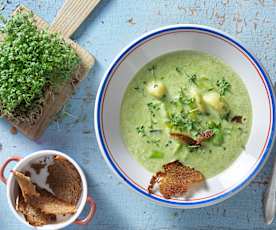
(189, 93)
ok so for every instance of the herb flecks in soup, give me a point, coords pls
(186, 106)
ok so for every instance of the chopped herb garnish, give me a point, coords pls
(189, 101)
(213, 125)
(155, 131)
(141, 131)
(185, 100)
(226, 115)
(152, 124)
(182, 96)
(154, 141)
(177, 69)
(192, 78)
(168, 143)
(156, 155)
(182, 122)
(153, 108)
(218, 133)
(152, 69)
(223, 86)
(218, 138)
(193, 110)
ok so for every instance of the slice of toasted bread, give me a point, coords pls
(49, 204)
(33, 215)
(175, 180)
(41, 199)
(26, 185)
(64, 180)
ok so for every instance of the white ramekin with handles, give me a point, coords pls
(12, 189)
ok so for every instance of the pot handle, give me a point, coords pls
(4, 165)
(90, 201)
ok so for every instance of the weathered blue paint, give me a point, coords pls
(112, 26)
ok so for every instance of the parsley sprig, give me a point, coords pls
(223, 86)
(192, 78)
(181, 122)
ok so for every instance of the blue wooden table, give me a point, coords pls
(111, 27)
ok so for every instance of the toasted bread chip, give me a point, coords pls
(175, 180)
(64, 180)
(41, 199)
(26, 185)
(183, 138)
(204, 136)
(33, 215)
(237, 119)
(49, 204)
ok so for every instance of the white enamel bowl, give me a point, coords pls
(12, 190)
(176, 38)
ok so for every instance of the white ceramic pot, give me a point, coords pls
(176, 38)
(12, 190)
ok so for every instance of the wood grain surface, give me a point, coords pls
(112, 25)
(71, 15)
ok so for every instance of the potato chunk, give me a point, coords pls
(157, 89)
(198, 99)
(213, 99)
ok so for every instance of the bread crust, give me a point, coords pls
(175, 179)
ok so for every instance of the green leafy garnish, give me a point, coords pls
(168, 143)
(156, 155)
(154, 141)
(155, 131)
(218, 137)
(183, 99)
(192, 78)
(182, 123)
(177, 69)
(218, 133)
(152, 69)
(141, 130)
(153, 108)
(31, 62)
(223, 86)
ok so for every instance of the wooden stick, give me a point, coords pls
(71, 15)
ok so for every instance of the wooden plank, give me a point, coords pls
(71, 15)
